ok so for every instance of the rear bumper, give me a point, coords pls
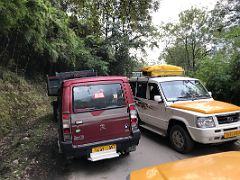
(123, 144)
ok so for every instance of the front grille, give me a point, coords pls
(228, 118)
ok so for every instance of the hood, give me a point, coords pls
(206, 107)
(215, 166)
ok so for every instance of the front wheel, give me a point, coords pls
(230, 143)
(180, 139)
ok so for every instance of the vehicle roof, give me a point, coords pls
(94, 79)
(162, 79)
(203, 167)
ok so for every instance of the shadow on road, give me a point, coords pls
(152, 146)
(84, 169)
(199, 149)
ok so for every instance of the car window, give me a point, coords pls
(153, 90)
(141, 90)
(184, 90)
(92, 97)
(133, 87)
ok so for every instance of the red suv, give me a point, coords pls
(96, 115)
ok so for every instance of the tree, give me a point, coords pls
(190, 34)
(45, 36)
(40, 41)
(122, 24)
(175, 55)
(214, 72)
(226, 16)
(220, 71)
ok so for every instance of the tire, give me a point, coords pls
(230, 143)
(125, 153)
(180, 139)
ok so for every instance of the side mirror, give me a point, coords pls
(210, 93)
(158, 98)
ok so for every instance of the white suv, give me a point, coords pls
(182, 109)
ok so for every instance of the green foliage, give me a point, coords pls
(45, 36)
(221, 75)
(122, 26)
(175, 55)
(214, 72)
(11, 12)
(235, 76)
(186, 40)
(221, 71)
(19, 101)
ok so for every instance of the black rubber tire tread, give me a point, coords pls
(126, 153)
(230, 143)
(188, 142)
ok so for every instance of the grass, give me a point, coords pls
(20, 101)
(25, 124)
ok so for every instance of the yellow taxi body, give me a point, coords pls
(220, 166)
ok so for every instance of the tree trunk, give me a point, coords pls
(187, 53)
(193, 55)
(6, 47)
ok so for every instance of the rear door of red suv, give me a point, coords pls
(99, 112)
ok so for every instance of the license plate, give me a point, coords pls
(104, 148)
(231, 134)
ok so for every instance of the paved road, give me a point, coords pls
(153, 149)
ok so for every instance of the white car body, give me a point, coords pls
(157, 116)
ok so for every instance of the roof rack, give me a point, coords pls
(54, 83)
(137, 74)
(159, 71)
(76, 74)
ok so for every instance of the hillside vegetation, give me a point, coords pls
(20, 102)
(25, 125)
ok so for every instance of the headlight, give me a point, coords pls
(205, 122)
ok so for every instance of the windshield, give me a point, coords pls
(183, 90)
(101, 96)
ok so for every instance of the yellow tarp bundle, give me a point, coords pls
(163, 70)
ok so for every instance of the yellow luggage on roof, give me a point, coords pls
(163, 70)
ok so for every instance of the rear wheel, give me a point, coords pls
(128, 150)
(180, 139)
(125, 153)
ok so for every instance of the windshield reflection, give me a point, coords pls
(183, 90)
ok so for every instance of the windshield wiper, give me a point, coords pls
(183, 98)
(202, 96)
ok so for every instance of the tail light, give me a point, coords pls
(133, 116)
(66, 127)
